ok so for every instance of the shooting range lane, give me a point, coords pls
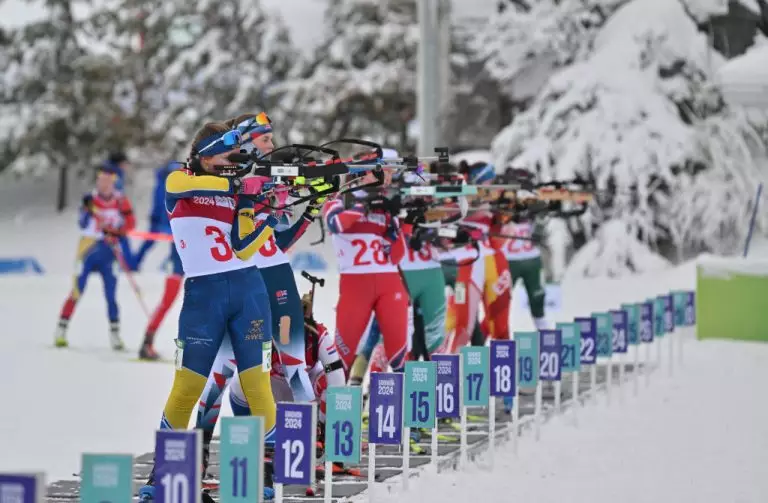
(388, 458)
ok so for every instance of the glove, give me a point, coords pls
(314, 206)
(271, 221)
(251, 185)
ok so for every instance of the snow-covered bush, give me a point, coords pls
(640, 117)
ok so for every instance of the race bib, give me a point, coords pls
(460, 293)
(178, 359)
(266, 356)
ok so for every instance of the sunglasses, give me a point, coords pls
(220, 143)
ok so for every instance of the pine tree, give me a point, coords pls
(361, 80)
(187, 63)
(58, 98)
(640, 117)
(522, 58)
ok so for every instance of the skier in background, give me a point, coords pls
(523, 255)
(158, 217)
(105, 216)
(117, 162)
(159, 223)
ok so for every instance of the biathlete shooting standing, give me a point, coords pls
(284, 300)
(225, 297)
(369, 246)
(105, 216)
(482, 275)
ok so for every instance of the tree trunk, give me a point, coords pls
(61, 197)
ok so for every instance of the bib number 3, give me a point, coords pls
(222, 252)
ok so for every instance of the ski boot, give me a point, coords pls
(320, 440)
(114, 337)
(269, 471)
(508, 403)
(416, 436)
(208, 481)
(60, 340)
(147, 491)
(147, 352)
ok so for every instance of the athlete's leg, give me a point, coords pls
(250, 329)
(432, 305)
(288, 328)
(109, 278)
(530, 272)
(369, 341)
(391, 310)
(239, 402)
(170, 292)
(88, 259)
(497, 296)
(223, 370)
(209, 407)
(418, 342)
(202, 324)
(142, 252)
(353, 312)
(465, 304)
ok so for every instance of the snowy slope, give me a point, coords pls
(744, 79)
(700, 436)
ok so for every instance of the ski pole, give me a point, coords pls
(131, 280)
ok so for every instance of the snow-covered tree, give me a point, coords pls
(361, 80)
(186, 63)
(57, 110)
(640, 117)
(524, 45)
(138, 75)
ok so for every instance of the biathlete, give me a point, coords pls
(369, 246)
(284, 300)
(225, 297)
(523, 255)
(105, 216)
(160, 224)
(480, 274)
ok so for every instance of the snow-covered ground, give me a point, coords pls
(700, 436)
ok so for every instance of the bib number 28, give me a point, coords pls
(222, 252)
(379, 256)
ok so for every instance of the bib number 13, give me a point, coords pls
(222, 252)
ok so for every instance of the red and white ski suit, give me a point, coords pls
(485, 280)
(368, 245)
(323, 366)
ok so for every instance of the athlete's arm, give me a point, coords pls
(129, 219)
(329, 358)
(248, 237)
(181, 185)
(288, 237)
(338, 219)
